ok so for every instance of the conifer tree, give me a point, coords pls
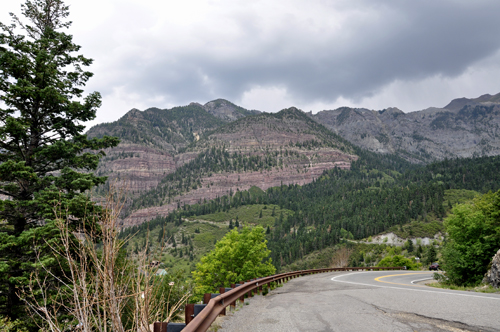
(410, 246)
(45, 159)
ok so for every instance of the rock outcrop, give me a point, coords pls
(492, 277)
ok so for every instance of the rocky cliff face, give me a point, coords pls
(463, 128)
(224, 183)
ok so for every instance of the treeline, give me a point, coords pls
(362, 202)
(159, 127)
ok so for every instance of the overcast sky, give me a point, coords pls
(269, 55)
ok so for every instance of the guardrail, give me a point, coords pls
(199, 317)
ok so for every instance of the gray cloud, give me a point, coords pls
(156, 53)
(404, 40)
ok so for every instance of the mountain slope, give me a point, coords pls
(265, 150)
(152, 139)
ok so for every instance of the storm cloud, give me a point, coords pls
(273, 54)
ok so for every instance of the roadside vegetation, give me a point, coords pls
(473, 237)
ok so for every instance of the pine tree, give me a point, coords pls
(431, 255)
(410, 247)
(45, 159)
(419, 251)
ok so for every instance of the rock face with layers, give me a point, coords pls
(288, 147)
(492, 277)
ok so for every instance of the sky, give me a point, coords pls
(269, 55)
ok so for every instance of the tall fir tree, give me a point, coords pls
(45, 159)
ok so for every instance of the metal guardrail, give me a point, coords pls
(217, 305)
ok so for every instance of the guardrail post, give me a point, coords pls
(242, 297)
(188, 313)
(222, 290)
(233, 304)
(249, 293)
(206, 297)
(160, 327)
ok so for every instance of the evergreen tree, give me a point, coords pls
(419, 251)
(431, 255)
(410, 247)
(161, 234)
(45, 159)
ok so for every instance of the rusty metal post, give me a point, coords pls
(242, 297)
(160, 327)
(222, 290)
(188, 313)
(249, 293)
(233, 304)
(206, 298)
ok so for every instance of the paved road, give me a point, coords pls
(366, 301)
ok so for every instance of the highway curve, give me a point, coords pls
(366, 301)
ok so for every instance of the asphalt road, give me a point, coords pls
(366, 301)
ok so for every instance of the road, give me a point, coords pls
(366, 301)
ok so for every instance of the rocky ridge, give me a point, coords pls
(463, 128)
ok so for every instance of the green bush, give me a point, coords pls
(473, 238)
(399, 260)
(236, 257)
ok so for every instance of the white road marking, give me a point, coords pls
(411, 289)
(414, 281)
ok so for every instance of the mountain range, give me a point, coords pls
(463, 128)
(191, 154)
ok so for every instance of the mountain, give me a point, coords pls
(264, 150)
(151, 140)
(191, 154)
(463, 128)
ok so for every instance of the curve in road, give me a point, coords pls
(404, 280)
(365, 301)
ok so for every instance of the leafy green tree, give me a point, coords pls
(397, 261)
(473, 238)
(238, 256)
(45, 159)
